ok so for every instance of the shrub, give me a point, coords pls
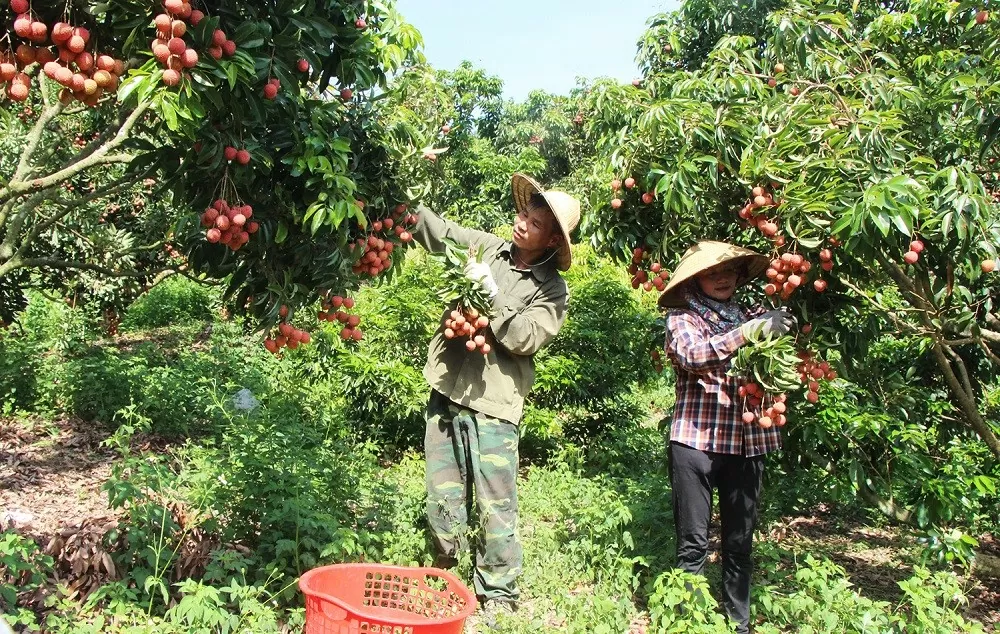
(23, 569)
(176, 300)
(385, 399)
(820, 598)
(682, 602)
(45, 327)
(605, 318)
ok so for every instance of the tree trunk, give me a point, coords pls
(887, 507)
(962, 395)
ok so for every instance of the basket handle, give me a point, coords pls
(333, 612)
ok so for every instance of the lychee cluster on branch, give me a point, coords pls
(84, 74)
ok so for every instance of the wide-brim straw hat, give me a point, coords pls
(564, 207)
(704, 255)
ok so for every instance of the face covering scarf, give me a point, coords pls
(721, 317)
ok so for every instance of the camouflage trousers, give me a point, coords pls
(472, 466)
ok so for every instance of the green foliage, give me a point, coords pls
(932, 602)
(173, 376)
(455, 288)
(88, 198)
(771, 363)
(215, 531)
(580, 545)
(684, 39)
(488, 140)
(682, 602)
(402, 315)
(824, 601)
(385, 399)
(605, 315)
(23, 569)
(44, 326)
(550, 123)
(281, 490)
(200, 608)
(893, 431)
(177, 300)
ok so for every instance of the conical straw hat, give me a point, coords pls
(564, 207)
(704, 255)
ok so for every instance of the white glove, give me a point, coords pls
(773, 323)
(480, 272)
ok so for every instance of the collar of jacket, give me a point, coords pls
(542, 272)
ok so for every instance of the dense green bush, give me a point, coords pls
(593, 370)
(819, 597)
(19, 358)
(56, 365)
(283, 487)
(175, 301)
(44, 328)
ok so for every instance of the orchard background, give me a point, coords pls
(213, 325)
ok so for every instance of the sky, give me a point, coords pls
(534, 44)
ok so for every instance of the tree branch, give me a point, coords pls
(963, 373)
(964, 395)
(34, 138)
(966, 401)
(990, 335)
(5, 210)
(87, 266)
(891, 314)
(99, 140)
(13, 231)
(70, 206)
(100, 157)
(16, 225)
(909, 286)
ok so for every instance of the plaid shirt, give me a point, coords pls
(708, 410)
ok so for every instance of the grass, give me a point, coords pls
(299, 482)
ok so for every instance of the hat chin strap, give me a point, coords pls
(540, 262)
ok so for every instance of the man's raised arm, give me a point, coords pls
(432, 230)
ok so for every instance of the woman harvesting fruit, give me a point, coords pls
(711, 446)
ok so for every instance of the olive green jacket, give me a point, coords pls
(527, 313)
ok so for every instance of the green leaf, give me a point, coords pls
(882, 222)
(318, 218)
(341, 145)
(360, 216)
(842, 223)
(232, 74)
(903, 222)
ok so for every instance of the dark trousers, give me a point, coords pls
(693, 475)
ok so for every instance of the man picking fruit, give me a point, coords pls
(711, 447)
(471, 440)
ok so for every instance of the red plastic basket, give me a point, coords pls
(377, 599)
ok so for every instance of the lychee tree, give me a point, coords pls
(255, 123)
(459, 112)
(476, 140)
(855, 144)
